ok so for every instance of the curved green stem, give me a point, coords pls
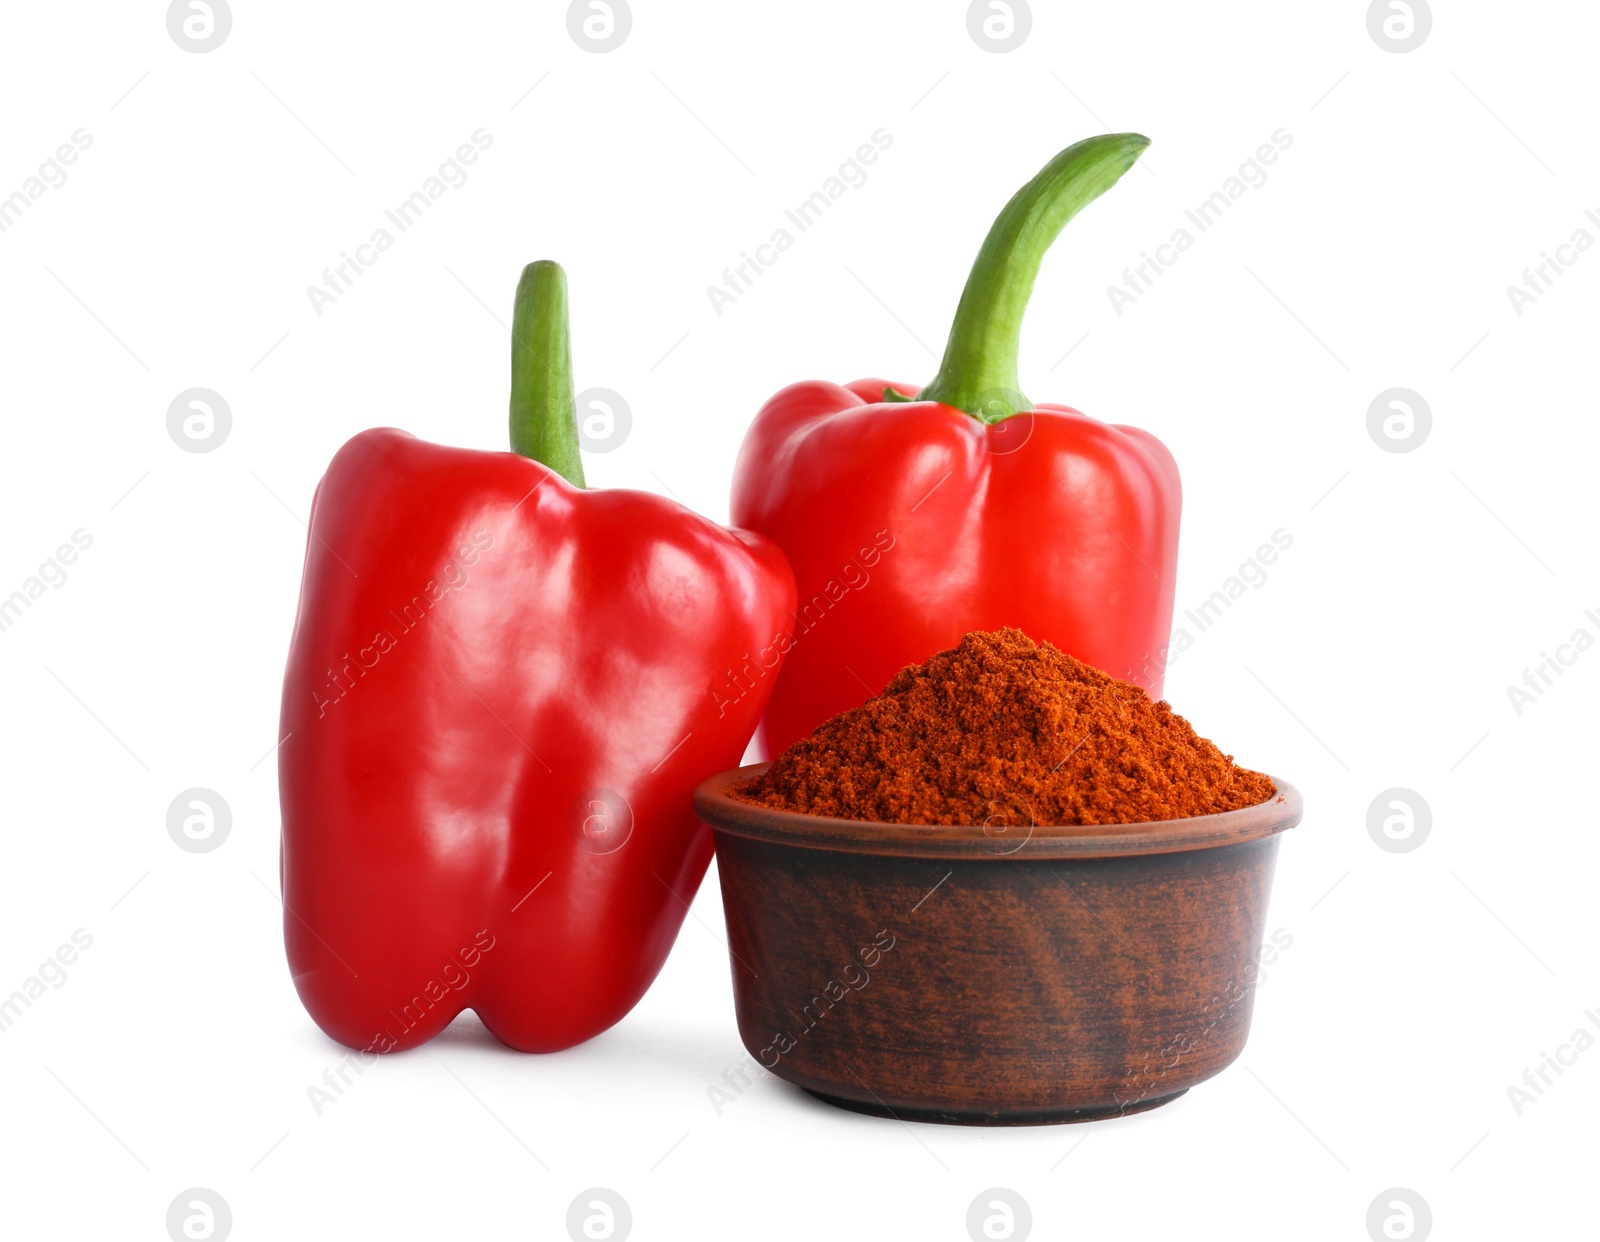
(979, 370)
(544, 417)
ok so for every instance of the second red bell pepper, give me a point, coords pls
(911, 518)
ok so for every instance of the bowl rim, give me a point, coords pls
(724, 814)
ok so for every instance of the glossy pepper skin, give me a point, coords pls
(499, 699)
(913, 517)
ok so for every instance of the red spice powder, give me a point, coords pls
(1004, 730)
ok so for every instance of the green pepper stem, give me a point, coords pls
(979, 370)
(544, 417)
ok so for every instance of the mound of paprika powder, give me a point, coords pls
(1004, 730)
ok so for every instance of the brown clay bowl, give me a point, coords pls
(1052, 974)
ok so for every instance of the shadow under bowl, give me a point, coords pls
(994, 977)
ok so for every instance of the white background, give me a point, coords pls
(1419, 985)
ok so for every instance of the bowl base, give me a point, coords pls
(1020, 1117)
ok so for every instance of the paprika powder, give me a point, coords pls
(1004, 731)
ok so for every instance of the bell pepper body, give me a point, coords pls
(910, 524)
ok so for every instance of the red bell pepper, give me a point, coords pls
(911, 518)
(499, 699)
